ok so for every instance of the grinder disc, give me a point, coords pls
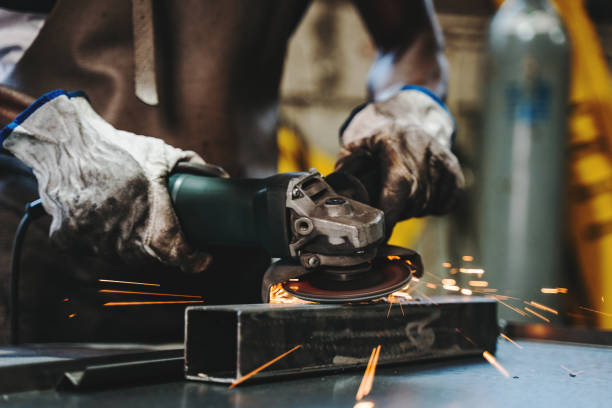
(385, 277)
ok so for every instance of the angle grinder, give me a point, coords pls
(331, 247)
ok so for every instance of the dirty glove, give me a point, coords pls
(399, 148)
(106, 189)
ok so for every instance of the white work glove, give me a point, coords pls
(106, 189)
(399, 148)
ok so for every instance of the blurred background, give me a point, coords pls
(326, 66)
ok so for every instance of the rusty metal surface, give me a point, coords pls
(223, 343)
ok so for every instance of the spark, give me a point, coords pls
(427, 297)
(71, 315)
(602, 300)
(485, 290)
(541, 307)
(415, 279)
(451, 288)
(389, 310)
(467, 258)
(453, 271)
(446, 264)
(128, 283)
(495, 363)
(478, 283)
(431, 285)
(165, 302)
(258, 369)
(466, 337)
(368, 376)
(449, 282)
(572, 373)
(467, 292)
(147, 293)
(65, 300)
(553, 290)
(595, 311)
(504, 297)
(511, 341)
(519, 311)
(393, 257)
(434, 275)
(402, 295)
(364, 404)
(278, 295)
(537, 314)
(476, 271)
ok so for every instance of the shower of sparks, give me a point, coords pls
(495, 364)
(279, 295)
(533, 312)
(478, 283)
(553, 290)
(476, 271)
(152, 303)
(451, 288)
(128, 283)
(541, 307)
(467, 258)
(595, 311)
(519, 311)
(466, 292)
(572, 373)
(449, 282)
(71, 315)
(511, 341)
(262, 367)
(147, 293)
(368, 376)
(446, 264)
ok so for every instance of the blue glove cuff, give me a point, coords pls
(49, 96)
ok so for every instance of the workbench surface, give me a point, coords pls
(536, 380)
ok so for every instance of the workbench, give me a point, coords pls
(536, 380)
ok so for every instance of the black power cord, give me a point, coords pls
(33, 210)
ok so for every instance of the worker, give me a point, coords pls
(218, 74)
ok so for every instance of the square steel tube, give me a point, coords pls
(223, 343)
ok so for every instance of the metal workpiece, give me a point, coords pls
(224, 343)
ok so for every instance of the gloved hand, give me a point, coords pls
(106, 189)
(399, 148)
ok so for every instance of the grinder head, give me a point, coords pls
(334, 247)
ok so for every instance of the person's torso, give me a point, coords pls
(219, 65)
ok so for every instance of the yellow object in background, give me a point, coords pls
(590, 159)
(295, 155)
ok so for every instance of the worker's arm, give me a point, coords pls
(398, 145)
(106, 189)
(409, 46)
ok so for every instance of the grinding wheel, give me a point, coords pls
(385, 276)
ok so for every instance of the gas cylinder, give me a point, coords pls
(522, 172)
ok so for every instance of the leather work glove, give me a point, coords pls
(106, 189)
(399, 148)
